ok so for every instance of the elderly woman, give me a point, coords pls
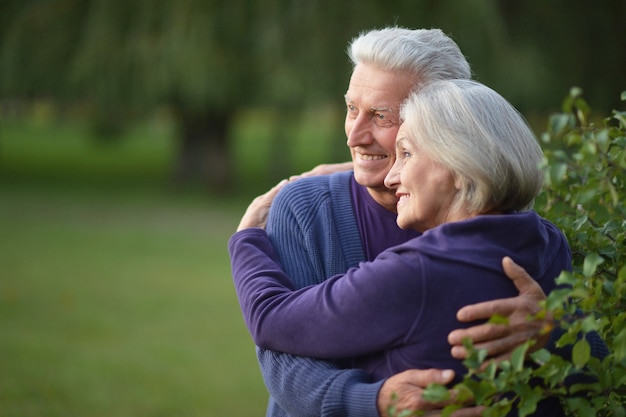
(466, 176)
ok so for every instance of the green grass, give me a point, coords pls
(115, 294)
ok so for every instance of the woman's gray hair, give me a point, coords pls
(478, 135)
(429, 54)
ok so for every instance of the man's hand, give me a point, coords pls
(259, 208)
(324, 169)
(499, 339)
(403, 391)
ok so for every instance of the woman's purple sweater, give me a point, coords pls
(394, 313)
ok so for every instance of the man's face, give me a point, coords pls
(372, 120)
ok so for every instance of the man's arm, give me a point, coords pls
(306, 387)
(500, 340)
(302, 386)
(325, 169)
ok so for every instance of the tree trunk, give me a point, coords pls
(204, 155)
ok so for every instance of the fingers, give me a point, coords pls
(258, 210)
(482, 311)
(522, 280)
(501, 339)
(324, 169)
(525, 284)
(403, 391)
(422, 378)
(494, 346)
(275, 189)
(478, 333)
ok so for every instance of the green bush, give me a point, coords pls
(585, 195)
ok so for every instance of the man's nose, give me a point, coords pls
(359, 131)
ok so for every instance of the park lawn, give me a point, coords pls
(117, 302)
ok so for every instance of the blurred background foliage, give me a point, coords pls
(207, 64)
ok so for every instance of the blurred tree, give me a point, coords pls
(206, 60)
(127, 57)
(577, 43)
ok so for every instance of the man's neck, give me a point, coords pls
(385, 197)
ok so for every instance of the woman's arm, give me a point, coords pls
(345, 316)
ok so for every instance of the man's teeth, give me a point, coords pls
(371, 157)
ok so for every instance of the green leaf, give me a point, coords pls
(484, 390)
(436, 393)
(581, 405)
(589, 324)
(541, 356)
(560, 122)
(518, 356)
(580, 222)
(500, 409)
(449, 409)
(498, 319)
(619, 343)
(463, 393)
(581, 353)
(529, 399)
(476, 356)
(556, 173)
(591, 264)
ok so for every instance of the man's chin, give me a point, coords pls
(369, 179)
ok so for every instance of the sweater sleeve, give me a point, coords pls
(307, 387)
(301, 386)
(338, 318)
(599, 349)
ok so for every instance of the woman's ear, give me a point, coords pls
(458, 182)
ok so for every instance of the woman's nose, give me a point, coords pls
(392, 180)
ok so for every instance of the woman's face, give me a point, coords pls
(426, 190)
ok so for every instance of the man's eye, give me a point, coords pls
(383, 120)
